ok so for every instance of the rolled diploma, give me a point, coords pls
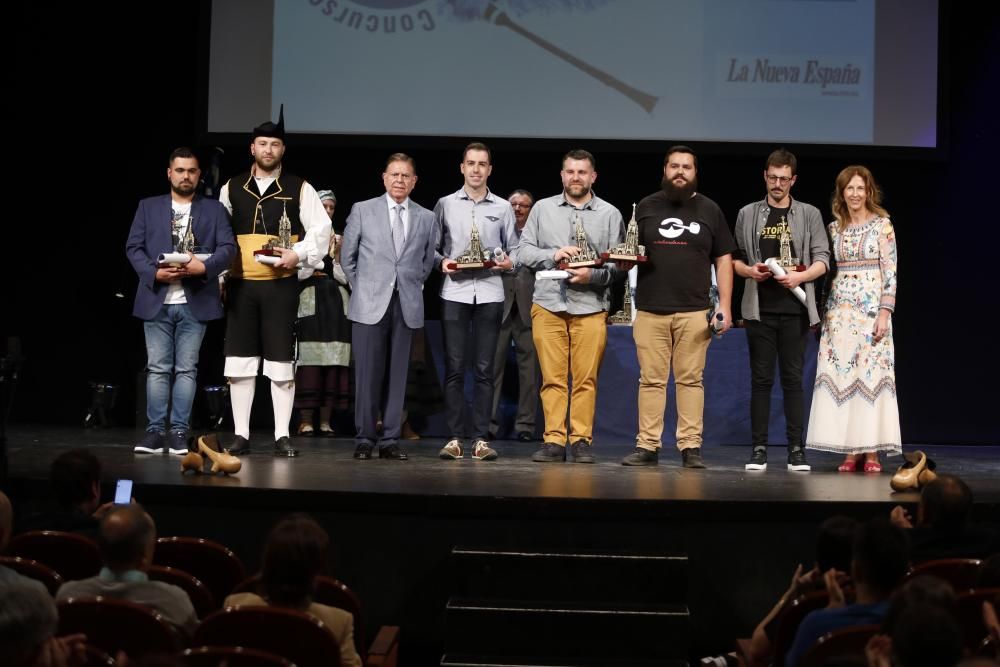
(173, 258)
(271, 260)
(778, 270)
(551, 274)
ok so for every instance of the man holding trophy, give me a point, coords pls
(783, 248)
(281, 227)
(569, 311)
(480, 226)
(178, 245)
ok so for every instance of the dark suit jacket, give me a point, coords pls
(149, 237)
(518, 287)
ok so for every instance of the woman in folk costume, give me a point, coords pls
(322, 376)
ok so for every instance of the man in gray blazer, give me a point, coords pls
(518, 288)
(387, 254)
(776, 321)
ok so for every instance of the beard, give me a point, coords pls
(578, 190)
(267, 163)
(679, 193)
(184, 188)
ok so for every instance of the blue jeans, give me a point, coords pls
(173, 341)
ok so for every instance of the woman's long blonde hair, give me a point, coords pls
(873, 199)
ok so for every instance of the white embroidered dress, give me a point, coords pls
(854, 406)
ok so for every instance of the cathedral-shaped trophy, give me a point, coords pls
(474, 257)
(284, 238)
(624, 316)
(587, 255)
(629, 250)
(785, 259)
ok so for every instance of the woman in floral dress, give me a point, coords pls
(854, 410)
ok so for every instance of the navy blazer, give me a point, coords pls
(149, 237)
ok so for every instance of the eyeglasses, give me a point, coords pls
(771, 178)
(520, 205)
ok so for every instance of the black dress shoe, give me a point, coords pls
(240, 446)
(582, 451)
(691, 458)
(392, 452)
(524, 436)
(363, 451)
(283, 447)
(550, 453)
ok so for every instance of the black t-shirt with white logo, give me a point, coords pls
(771, 296)
(682, 241)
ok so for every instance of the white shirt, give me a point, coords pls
(180, 221)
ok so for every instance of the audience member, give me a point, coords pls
(294, 555)
(9, 577)
(833, 552)
(878, 563)
(75, 506)
(127, 538)
(942, 528)
(28, 621)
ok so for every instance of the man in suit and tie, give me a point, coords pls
(518, 288)
(176, 301)
(387, 254)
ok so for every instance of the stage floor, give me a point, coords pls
(395, 525)
(326, 465)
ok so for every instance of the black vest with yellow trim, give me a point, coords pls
(255, 221)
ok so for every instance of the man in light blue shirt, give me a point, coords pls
(472, 297)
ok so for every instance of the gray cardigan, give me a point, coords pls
(808, 236)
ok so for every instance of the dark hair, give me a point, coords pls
(295, 553)
(835, 542)
(73, 475)
(680, 148)
(478, 146)
(924, 589)
(580, 154)
(782, 158)
(946, 503)
(926, 635)
(401, 157)
(183, 152)
(880, 556)
(523, 193)
(124, 536)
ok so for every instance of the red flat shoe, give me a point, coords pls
(848, 466)
(873, 466)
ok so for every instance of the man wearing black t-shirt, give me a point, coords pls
(685, 235)
(776, 320)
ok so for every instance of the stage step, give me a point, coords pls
(456, 660)
(569, 575)
(565, 630)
